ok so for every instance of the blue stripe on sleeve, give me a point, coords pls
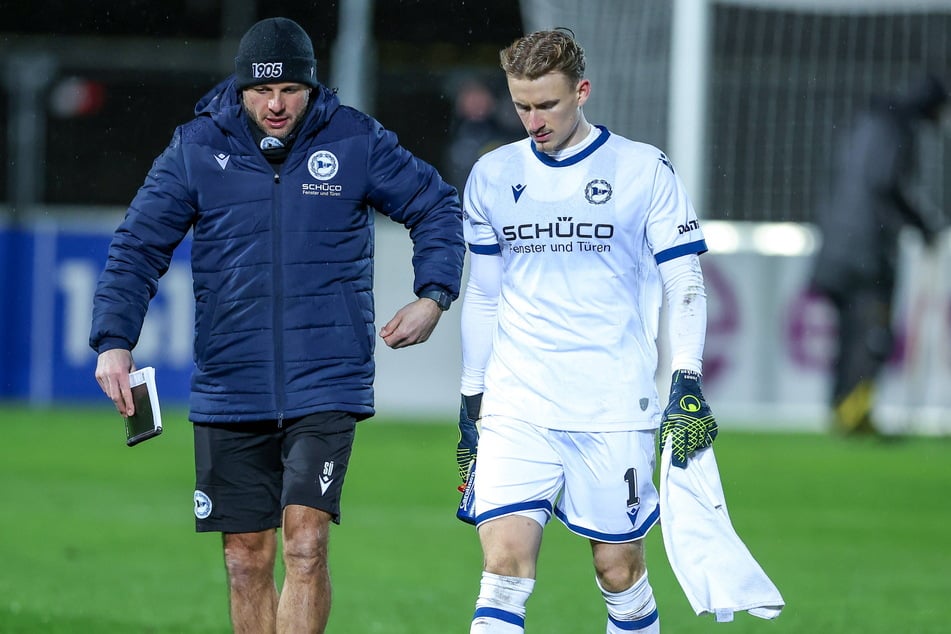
(698, 247)
(485, 249)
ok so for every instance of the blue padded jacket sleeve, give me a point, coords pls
(155, 223)
(411, 192)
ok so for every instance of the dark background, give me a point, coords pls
(146, 64)
(780, 86)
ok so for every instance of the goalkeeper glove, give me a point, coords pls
(468, 435)
(466, 455)
(687, 421)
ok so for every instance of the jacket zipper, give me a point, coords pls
(278, 316)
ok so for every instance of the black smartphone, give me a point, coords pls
(145, 423)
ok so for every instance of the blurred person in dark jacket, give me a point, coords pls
(477, 126)
(860, 223)
(278, 182)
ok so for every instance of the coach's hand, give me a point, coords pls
(468, 434)
(412, 324)
(112, 374)
(687, 421)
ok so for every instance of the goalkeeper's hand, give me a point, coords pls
(468, 435)
(687, 420)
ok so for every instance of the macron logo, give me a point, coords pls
(517, 191)
(222, 159)
(632, 515)
(326, 478)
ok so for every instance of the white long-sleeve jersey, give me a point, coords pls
(570, 258)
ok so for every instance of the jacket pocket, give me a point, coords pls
(205, 309)
(362, 329)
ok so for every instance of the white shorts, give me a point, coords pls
(599, 484)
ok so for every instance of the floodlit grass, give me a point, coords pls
(98, 537)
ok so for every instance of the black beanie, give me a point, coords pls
(275, 51)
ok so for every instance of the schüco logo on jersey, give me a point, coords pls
(564, 227)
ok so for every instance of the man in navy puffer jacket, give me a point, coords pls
(278, 182)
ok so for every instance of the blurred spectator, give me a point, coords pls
(477, 127)
(861, 220)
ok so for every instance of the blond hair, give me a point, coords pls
(543, 52)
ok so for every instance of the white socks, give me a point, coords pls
(632, 610)
(500, 608)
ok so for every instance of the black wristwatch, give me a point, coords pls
(442, 298)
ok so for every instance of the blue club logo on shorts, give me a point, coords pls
(202, 505)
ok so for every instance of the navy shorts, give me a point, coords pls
(246, 473)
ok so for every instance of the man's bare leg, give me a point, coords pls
(305, 599)
(249, 561)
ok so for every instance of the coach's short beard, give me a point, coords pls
(284, 134)
(260, 128)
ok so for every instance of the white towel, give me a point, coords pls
(713, 565)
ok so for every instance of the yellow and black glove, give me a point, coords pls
(687, 421)
(466, 455)
(468, 435)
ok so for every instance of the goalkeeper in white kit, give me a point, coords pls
(575, 235)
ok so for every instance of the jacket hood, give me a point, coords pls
(223, 104)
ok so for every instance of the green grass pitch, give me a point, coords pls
(98, 537)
